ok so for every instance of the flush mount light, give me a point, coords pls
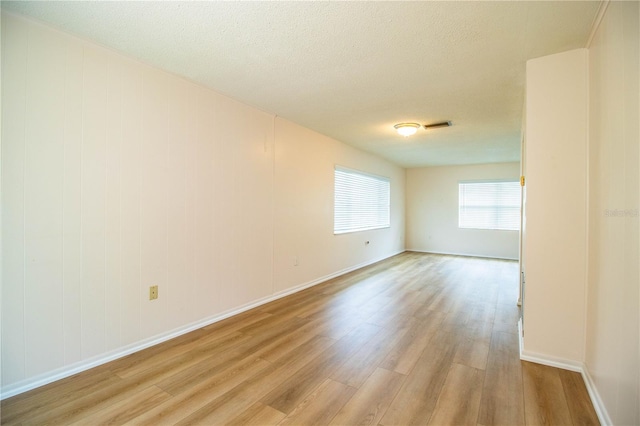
(407, 129)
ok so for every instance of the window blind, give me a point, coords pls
(361, 201)
(489, 205)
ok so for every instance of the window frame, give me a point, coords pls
(386, 218)
(497, 208)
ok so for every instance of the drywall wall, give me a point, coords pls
(613, 334)
(432, 212)
(305, 247)
(556, 206)
(117, 176)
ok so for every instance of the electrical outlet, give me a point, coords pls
(153, 292)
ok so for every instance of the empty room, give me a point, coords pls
(314, 213)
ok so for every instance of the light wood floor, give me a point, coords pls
(416, 339)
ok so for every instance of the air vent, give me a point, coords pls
(436, 125)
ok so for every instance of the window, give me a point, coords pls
(361, 201)
(489, 205)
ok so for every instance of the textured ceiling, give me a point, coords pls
(351, 70)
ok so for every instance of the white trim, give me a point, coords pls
(598, 404)
(462, 254)
(360, 172)
(596, 21)
(69, 370)
(520, 337)
(489, 180)
(592, 390)
(551, 361)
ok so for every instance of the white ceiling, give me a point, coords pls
(351, 70)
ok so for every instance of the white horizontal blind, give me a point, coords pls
(361, 201)
(489, 205)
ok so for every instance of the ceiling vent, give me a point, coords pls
(436, 125)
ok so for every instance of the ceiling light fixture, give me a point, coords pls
(407, 129)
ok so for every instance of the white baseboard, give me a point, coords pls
(70, 370)
(598, 405)
(462, 254)
(551, 361)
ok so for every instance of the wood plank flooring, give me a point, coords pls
(416, 339)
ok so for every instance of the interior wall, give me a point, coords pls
(117, 176)
(555, 250)
(613, 333)
(305, 247)
(432, 212)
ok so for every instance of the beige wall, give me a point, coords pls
(582, 252)
(305, 163)
(613, 333)
(556, 210)
(432, 212)
(117, 176)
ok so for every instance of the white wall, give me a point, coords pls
(304, 175)
(613, 333)
(555, 251)
(117, 176)
(432, 212)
